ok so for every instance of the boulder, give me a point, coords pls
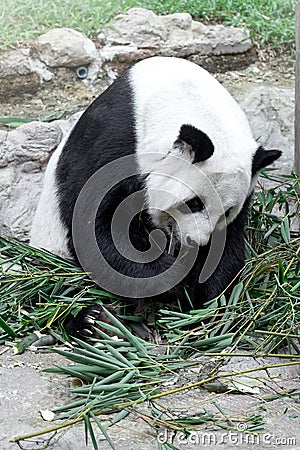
(140, 33)
(21, 73)
(24, 154)
(270, 112)
(136, 35)
(15, 62)
(32, 142)
(64, 47)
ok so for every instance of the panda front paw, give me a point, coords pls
(85, 326)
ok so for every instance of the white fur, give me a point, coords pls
(168, 93)
(47, 230)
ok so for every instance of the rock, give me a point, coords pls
(32, 142)
(64, 47)
(24, 154)
(140, 33)
(15, 63)
(271, 115)
(136, 35)
(21, 73)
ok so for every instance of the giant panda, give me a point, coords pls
(169, 149)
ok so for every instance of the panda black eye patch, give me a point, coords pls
(194, 205)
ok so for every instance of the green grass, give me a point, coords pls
(270, 22)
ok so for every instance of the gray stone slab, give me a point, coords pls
(25, 390)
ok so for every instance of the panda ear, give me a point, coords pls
(196, 142)
(263, 158)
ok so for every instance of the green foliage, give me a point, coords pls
(120, 375)
(269, 21)
(38, 288)
(274, 216)
(13, 122)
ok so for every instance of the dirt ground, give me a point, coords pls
(67, 95)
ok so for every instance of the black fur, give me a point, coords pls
(263, 158)
(104, 133)
(200, 143)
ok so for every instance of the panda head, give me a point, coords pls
(195, 148)
(192, 191)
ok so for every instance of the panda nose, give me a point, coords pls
(190, 241)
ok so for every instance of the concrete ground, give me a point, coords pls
(25, 390)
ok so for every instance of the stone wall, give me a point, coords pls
(133, 36)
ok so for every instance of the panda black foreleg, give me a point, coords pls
(84, 325)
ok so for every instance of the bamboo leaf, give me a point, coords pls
(103, 430)
(281, 276)
(285, 230)
(216, 339)
(14, 122)
(122, 414)
(89, 429)
(25, 343)
(7, 328)
(126, 333)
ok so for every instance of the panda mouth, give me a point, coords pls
(167, 224)
(173, 243)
